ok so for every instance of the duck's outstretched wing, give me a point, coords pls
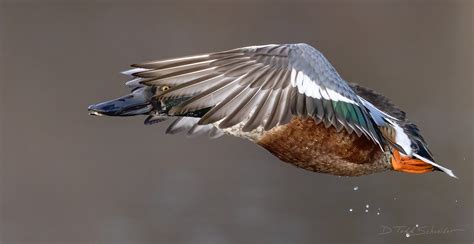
(258, 86)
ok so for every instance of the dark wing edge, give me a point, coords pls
(378, 100)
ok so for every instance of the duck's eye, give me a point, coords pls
(165, 88)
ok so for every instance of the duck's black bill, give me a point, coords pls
(135, 103)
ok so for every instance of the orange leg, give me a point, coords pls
(408, 164)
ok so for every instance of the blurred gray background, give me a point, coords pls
(67, 177)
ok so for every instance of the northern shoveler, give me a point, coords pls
(286, 98)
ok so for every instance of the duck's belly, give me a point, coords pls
(314, 147)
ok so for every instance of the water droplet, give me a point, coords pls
(416, 225)
(356, 188)
(407, 235)
(367, 206)
(350, 209)
(366, 210)
(456, 200)
(378, 213)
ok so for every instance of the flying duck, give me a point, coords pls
(286, 98)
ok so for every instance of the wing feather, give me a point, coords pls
(191, 128)
(248, 100)
(260, 86)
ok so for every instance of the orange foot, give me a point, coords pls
(408, 164)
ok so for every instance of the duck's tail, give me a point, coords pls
(410, 152)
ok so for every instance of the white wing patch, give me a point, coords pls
(325, 94)
(306, 86)
(311, 88)
(402, 139)
(335, 96)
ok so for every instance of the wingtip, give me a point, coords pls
(450, 173)
(445, 170)
(439, 167)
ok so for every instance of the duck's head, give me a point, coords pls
(138, 102)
